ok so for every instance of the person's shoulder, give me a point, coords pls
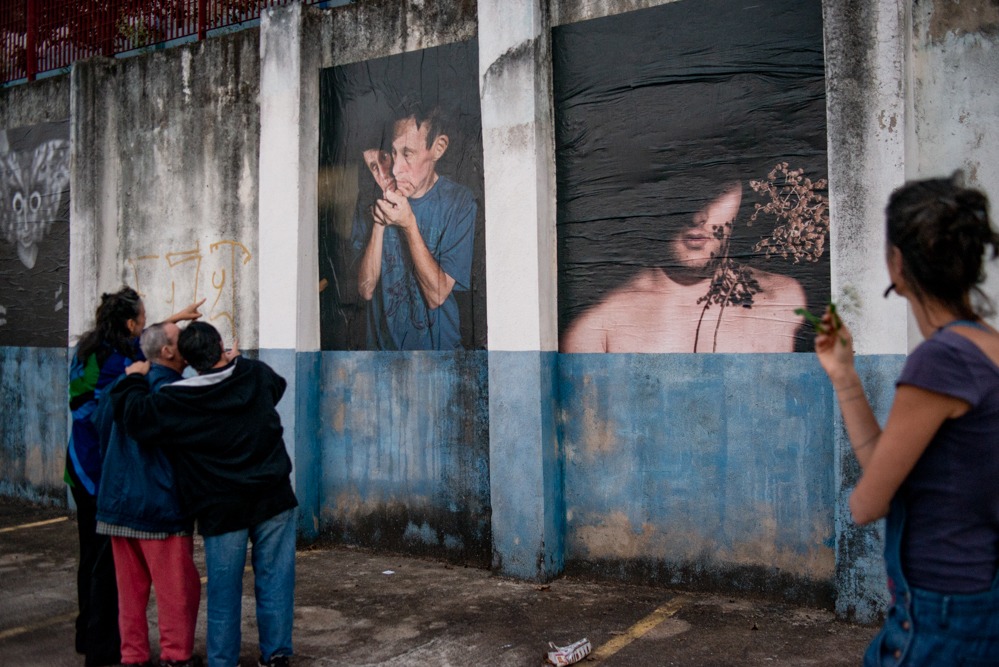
(778, 287)
(452, 190)
(942, 344)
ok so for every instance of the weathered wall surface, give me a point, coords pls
(866, 90)
(405, 447)
(954, 105)
(33, 430)
(700, 470)
(165, 182)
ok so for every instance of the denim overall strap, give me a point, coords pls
(892, 643)
(923, 628)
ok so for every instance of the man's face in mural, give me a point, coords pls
(379, 163)
(413, 160)
(696, 244)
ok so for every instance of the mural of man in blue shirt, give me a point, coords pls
(419, 249)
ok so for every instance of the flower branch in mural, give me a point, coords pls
(732, 284)
(800, 214)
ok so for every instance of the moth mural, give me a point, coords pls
(34, 235)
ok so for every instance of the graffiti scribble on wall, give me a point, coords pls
(34, 235)
(170, 280)
(691, 166)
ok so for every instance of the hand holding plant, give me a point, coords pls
(833, 343)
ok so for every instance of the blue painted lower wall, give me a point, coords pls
(703, 471)
(34, 428)
(726, 472)
(861, 584)
(525, 462)
(405, 452)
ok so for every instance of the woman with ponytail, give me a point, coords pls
(933, 470)
(100, 358)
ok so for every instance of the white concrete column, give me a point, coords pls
(519, 147)
(867, 124)
(288, 234)
(518, 144)
(865, 53)
(288, 319)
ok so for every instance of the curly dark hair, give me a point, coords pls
(111, 333)
(942, 229)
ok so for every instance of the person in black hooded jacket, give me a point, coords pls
(223, 434)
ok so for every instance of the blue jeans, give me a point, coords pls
(923, 628)
(274, 583)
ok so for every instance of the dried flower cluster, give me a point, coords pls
(802, 214)
(732, 284)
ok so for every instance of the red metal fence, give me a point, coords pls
(41, 35)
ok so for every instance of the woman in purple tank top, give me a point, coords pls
(933, 470)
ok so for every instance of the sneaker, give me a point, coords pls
(275, 661)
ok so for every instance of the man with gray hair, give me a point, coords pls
(151, 533)
(224, 434)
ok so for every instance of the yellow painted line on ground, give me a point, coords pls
(33, 525)
(638, 629)
(55, 620)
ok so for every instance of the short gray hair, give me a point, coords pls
(154, 338)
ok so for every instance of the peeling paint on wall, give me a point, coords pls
(405, 462)
(33, 429)
(719, 460)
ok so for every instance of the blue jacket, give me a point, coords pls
(138, 487)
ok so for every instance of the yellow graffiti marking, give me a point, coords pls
(223, 279)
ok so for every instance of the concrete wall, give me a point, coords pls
(195, 174)
(165, 183)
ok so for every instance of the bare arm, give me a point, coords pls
(370, 270)
(886, 457)
(435, 284)
(189, 312)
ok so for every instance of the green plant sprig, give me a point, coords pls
(816, 321)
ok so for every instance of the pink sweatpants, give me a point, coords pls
(169, 566)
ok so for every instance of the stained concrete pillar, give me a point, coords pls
(866, 86)
(519, 163)
(288, 236)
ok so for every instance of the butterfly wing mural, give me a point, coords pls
(34, 234)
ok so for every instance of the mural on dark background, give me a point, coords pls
(401, 261)
(34, 226)
(691, 165)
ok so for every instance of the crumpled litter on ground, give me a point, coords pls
(571, 654)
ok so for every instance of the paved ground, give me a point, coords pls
(355, 608)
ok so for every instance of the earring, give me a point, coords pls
(891, 288)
